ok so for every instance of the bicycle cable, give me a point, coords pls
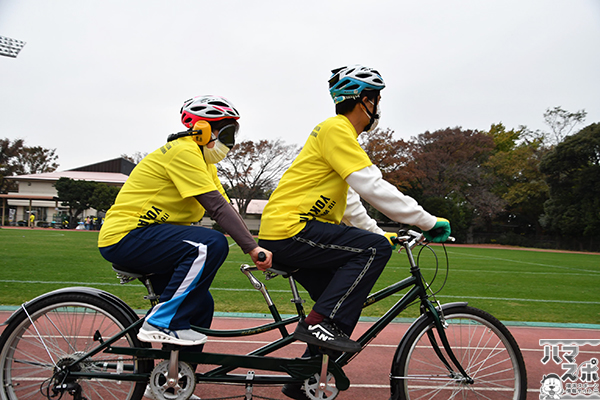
(429, 284)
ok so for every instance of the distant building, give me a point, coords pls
(36, 193)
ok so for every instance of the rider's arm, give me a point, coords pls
(370, 185)
(229, 219)
(356, 214)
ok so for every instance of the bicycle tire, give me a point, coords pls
(483, 345)
(64, 326)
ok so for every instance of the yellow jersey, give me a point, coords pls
(161, 189)
(314, 187)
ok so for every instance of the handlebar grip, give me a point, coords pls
(262, 256)
(436, 232)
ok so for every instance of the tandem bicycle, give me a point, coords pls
(81, 343)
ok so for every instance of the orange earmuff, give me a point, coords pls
(202, 137)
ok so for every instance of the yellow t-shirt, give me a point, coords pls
(313, 188)
(161, 189)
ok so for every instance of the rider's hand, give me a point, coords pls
(389, 236)
(440, 231)
(262, 265)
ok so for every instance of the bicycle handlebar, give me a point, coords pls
(413, 238)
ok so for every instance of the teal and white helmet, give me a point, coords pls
(348, 82)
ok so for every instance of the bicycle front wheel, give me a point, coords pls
(484, 347)
(54, 333)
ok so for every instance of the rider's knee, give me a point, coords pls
(220, 243)
(383, 247)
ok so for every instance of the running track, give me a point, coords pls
(369, 371)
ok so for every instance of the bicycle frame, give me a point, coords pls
(298, 369)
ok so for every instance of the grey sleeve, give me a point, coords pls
(229, 219)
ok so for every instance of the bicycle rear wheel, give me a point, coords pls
(56, 331)
(483, 346)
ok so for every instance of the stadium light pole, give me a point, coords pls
(10, 47)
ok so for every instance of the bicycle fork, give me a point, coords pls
(441, 325)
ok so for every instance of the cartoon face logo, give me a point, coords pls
(551, 387)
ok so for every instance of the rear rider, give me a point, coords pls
(148, 228)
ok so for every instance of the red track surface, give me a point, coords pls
(369, 371)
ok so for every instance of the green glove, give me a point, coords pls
(440, 231)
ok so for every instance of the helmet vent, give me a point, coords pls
(219, 103)
(197, 108)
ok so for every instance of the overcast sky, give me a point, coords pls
(97, 79)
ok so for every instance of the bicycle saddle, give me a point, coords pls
(126, 275)
(279, 270)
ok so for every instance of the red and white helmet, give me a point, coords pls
(208, 108)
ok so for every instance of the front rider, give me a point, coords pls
(148, 228)
(338, 264)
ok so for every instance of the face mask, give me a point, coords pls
(216, 153)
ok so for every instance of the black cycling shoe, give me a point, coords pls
(294, 391)
(326, 334)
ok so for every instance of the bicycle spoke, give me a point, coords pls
(57, 336)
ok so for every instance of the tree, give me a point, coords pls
(518, 181)
(573, 175)
(251, 170)
(38, 160)
(135, 157)
(562, 122)
(9, 161)
(75, 194)
(103, 197)
(452, 179)
(18, 159)
(391, 156)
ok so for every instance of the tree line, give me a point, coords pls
(514, 186)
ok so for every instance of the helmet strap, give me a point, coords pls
(373, 115)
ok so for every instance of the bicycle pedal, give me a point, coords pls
(171, 347)
(329, 352)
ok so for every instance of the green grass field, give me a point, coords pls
(513, 285)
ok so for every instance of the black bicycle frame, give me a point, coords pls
(297, 368)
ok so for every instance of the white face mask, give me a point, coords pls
(216, 153)
(376, 120)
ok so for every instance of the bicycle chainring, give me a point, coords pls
(180, 390)
(311, 386)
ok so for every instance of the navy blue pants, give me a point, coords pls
(338, 266)
(184, 259)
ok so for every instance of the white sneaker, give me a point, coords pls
(183, 337)
(148, 394)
